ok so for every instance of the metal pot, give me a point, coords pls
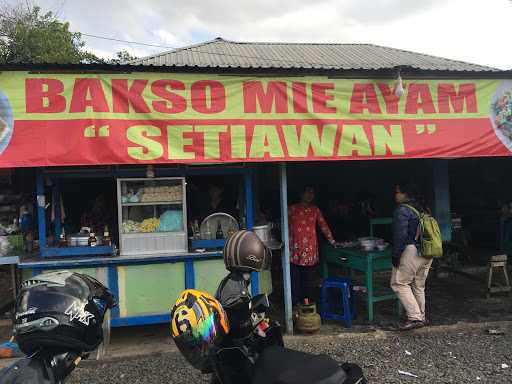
(81, 239)
(78, 240)
(368, 243)
(263, 232)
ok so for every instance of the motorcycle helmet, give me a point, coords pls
(245, 252)
(198, 324)
(61, 312)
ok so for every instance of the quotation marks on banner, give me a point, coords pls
(426, 128)
(94, 131)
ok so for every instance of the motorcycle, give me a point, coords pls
(255, 353)
(60, 318)
(41, 368)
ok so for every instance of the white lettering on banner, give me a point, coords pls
(78, 312)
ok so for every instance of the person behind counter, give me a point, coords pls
(97, 217)
(216, 203)
(303, 219)
(27, 225)
(341, 219)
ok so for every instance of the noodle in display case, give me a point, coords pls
(152, 216)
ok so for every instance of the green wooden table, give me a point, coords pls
(366, 262)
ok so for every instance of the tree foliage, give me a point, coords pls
(122, 57)
(29, 35)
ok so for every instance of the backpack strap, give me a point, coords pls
(414, 210)
(420, 217)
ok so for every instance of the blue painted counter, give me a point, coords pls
(94, 261)
(146, 286)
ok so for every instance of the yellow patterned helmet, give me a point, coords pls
(198, 323)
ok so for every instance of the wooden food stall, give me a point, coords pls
(155, 260)
(150, 126)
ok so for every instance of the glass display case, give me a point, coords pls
(152, 216)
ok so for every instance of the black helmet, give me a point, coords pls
(61, 312)
(245, 252)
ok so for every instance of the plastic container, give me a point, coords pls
(263, 232)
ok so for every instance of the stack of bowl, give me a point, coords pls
(368, 243)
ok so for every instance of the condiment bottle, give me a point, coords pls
(93, 241)
(208, 233)
(195, 229)
(62, 239)
(219, 234)
(106, 237)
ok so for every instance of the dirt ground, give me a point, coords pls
(451, 298)
(442, 354)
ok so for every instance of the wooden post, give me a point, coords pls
(41, 215)
(249, 221)
(442, 198)
(58, 213)
(286, 250)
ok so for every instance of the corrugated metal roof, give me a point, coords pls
(220, 53)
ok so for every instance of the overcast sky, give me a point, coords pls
(475, 31)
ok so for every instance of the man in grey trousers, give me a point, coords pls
(410, 270)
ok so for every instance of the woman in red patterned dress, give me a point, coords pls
(303, 218)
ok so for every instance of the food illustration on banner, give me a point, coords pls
(501, 113)
(6, 122)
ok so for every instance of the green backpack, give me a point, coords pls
(429, 235)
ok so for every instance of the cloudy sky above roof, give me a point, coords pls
(470, 30)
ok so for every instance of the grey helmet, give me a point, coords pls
(245, 252)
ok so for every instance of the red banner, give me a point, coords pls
(163, 118)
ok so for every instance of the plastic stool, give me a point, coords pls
(348, 300)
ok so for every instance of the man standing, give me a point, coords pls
(303, 219)
(410, 270)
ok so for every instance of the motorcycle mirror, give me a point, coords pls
(62, 365)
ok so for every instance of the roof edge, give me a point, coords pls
(340, 73)
(435, 56)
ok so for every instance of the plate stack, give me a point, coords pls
(371, 243)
